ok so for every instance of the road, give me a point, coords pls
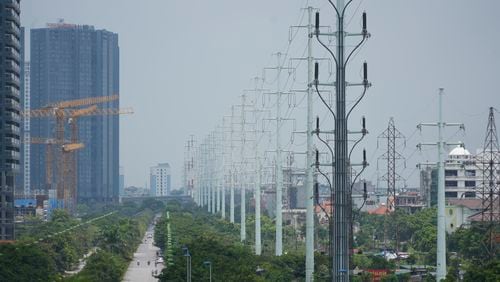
(139, 270)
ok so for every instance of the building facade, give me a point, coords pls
(72, 62)
(10, 104)
(121, 181)
(462, 177)
(159, 180)
(461, 174)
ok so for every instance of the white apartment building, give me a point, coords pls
(462, 175)
(160, 180)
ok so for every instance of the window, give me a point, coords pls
(470, 173)
(469, 195)
(450, 172)
(451, 183)
(450, 194)
(450, 211)
(470, 183)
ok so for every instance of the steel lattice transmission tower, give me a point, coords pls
(392, 156)
(489, 160)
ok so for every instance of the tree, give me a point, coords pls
(19, 262)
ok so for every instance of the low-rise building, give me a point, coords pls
(458, 213)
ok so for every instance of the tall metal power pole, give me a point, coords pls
(342, 182)
(441, 228)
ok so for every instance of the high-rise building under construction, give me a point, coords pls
(73, 62)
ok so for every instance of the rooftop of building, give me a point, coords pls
(381, 210)
(493, 211)
(473, 204)
(459, 151)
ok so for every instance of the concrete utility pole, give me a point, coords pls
(204, 173)
(231, 169)
(189, 169)
(221, 193)
(310, 156)
(441, 224)
(310, 146)
(228, 163)
(279, 165)
(257, 166)
(244, 170)
(243, 234)
(212, 167)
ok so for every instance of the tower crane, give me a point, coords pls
(66, 152)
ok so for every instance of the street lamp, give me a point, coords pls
(185, 250)
(209, 263)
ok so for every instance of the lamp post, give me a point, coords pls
(188, 263)
(209, 263)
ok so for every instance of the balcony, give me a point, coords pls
(12, 141)
(12, 155)
(13, 116)
(12, 15)
(13, 91)
(12, 79)
(14, 4)
(12, 66)
(12, 41)
(12, 104)
(12, 28)
(9, 128)
(12, 53)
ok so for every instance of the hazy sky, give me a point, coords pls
(184, 63)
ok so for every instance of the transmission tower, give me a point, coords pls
(489, 162)
(391, 156)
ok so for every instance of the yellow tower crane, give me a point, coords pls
(66, 157)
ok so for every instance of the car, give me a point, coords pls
(159, 260)
(150, 236)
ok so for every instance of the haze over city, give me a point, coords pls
(179, 59)
(286, 140)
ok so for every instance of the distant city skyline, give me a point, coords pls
(182, 80)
